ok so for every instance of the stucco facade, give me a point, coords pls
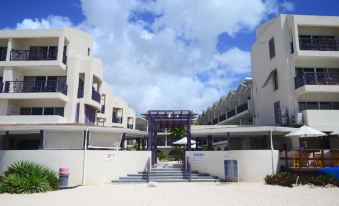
(295, 67)
(50, 76)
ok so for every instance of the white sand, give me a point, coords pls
(172, 194)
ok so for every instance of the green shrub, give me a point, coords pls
(288, 179)
(28, 177)
(284, 179)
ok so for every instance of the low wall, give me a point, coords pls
(253, 165)
(102, 166)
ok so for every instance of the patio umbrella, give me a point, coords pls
(304, 132)
(183, 141)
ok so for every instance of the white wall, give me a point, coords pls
(99, 168)
(253, 165)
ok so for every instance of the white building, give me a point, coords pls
(50, 77)
(236, 108)
(295, 67)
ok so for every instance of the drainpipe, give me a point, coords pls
(272, 150)
(85, 157)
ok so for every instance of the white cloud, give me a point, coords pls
(154, 70)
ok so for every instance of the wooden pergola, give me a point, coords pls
(158, 119)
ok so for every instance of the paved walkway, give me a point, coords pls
(174, 194)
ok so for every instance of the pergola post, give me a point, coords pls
(155, 147)
(209, 143)
(143, 143)
(189, 137)
(138, 143)
(41, 139)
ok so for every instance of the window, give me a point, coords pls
(59, 111)
(335, 105)
(275, 80)
(272, 48)
(302, 106)
(49, 111)
(325, 105)
(312, 105)
(42, 111)
(276, 112)
(37, 111)
(25, 111)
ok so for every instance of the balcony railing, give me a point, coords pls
(96, 96)
(130, 126)
(319, 44)
(117, 119)
(231, 113)
(102, 110)
(242, 108)
(80, 92)
(35, 86)
(317, 78)
(222, 117)
(33, 55)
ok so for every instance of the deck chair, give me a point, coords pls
(295, 160)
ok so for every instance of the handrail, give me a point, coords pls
(316, 78)
(28, 55)
(319, 44)
(242, 107)
(96, 95)
(35, 86)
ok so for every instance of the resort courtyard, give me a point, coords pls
(172, 194)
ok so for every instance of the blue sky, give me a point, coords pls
(164, 52)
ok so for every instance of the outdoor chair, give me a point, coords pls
(295, 160)
(336, 162)
(318, 160)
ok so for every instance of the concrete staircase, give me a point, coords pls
(174, 173)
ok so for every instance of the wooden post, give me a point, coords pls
(286, 156)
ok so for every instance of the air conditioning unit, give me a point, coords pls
(298, 119)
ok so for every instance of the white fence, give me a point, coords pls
(253, 165)
(101, 166)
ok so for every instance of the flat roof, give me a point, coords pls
(237, 130)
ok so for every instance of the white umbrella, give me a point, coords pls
(305, 131)
(183, 141)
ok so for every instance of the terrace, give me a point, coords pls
(35, 86)
(316, 78)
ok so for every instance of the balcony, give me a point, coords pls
(96, 95)
(231, 113)
(130, 126)
(35, 86)
(315, 44)
(323, 120)
(32, 119)
(317, 78)
(117, 119)
(242, 108)
(34, 55)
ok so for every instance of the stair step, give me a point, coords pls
(168, 177)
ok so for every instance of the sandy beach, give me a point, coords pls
(170, 194)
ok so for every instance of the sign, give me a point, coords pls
(198, 156)
(110, 157)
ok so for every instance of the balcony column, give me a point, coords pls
(61, 44)
(9, 49)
